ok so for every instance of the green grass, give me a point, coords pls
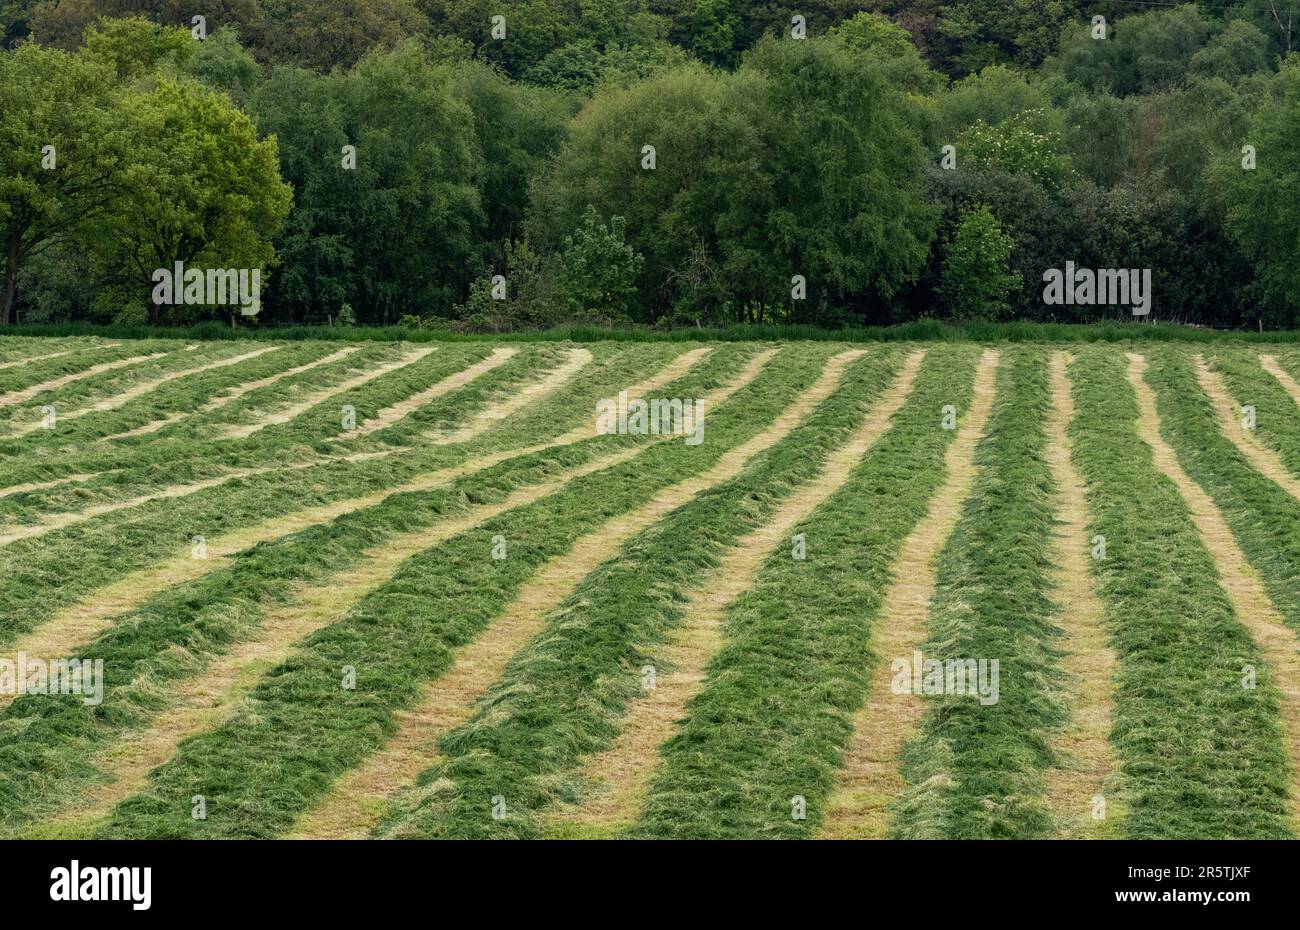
(34, 578)
(780, 697)
(273, 761)
(184, 450)
(76, 397)
(176, 633)
(1277, 417)
(1262, 515)
(975, 771)
(22, 377)
(564, 695)
(1200, 755)
(928, 330)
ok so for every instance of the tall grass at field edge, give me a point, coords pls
(918, 331)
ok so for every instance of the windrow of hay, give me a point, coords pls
(27, 393)
(201, 701)
(1229, 413)
(390, 415)
(625, 768)
(315, 397)
(81, 622)
(234, 393)
(356, 804)
(870, 779)
(147, 387)
(35, 358)
(552, 381)
(1250, 601)
(1274, 368)
(1082, 747)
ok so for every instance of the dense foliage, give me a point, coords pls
(495, 166)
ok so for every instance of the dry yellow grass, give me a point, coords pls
(859, 807)
(1271, 365)
(624, 770)
(356, 803)
(27, 393)
(1082, 746)
(1250, 600)
(315, 397)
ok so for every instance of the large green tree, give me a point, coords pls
(1261, 196)
(843, 159)
(802, 164)
(679, 157)
(62, 147)
(204, 190)
(976, 279)
(396, 224)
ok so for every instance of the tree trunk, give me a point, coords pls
(11, 280)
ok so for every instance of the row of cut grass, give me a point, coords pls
(1264, 518)
(778, 704)
(974, 770)
(174, 463)
(319, 426)
(263, 768)
(26, 354)
(39, 371)
(16, 351)
(173, 442)
(295, 443)
(1200, 755)
(82, 393)
(1277, 418)
(207, 425)
(564, 695)
(82, 458)
(35, 581)
(28, 398)
(176, 633)
(180, 397)
(180, 453)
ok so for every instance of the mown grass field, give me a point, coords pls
(383, 589)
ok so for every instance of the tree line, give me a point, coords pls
(490, 166)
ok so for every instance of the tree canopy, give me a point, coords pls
(465, 164)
